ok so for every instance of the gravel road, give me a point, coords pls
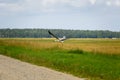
(12, 69)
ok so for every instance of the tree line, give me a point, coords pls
(43, 33)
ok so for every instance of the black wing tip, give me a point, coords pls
(49, 32)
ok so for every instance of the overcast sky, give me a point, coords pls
(61, 14)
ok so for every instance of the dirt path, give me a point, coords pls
(12, 69)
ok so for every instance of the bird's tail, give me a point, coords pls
(64, 37)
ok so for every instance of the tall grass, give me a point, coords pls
(67, 57)
(107, 46)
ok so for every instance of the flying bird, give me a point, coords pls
(58, 39)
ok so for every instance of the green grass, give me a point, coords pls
(77, 62)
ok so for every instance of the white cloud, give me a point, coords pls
(11, 7)
(117, 3)
(78, 3)
(93, 1)
(51, 5)
(108, 3)
(41, 5)
(8, 7)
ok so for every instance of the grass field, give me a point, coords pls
(95, 59)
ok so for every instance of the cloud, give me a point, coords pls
(42, 4)
(93, 1)
(51, 5)
(115, 3)
(108, 3)
(11, 7)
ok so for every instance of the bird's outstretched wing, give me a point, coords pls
(53, 35)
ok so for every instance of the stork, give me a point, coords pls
(58, 39)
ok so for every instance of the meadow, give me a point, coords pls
(95, 59)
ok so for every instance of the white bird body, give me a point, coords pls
(61, 39)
